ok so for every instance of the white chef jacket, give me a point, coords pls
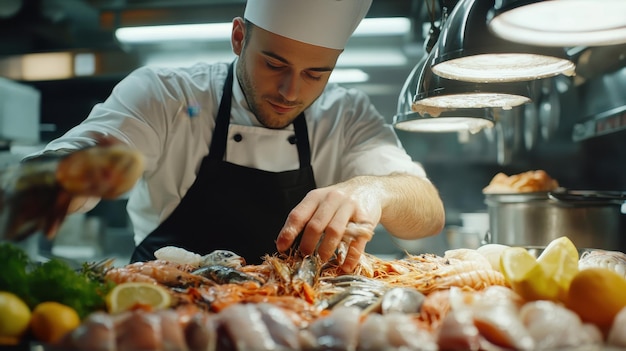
(169, 115)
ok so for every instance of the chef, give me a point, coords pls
(261, 154)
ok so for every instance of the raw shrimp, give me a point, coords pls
(35, 195)
(438, 276)
(371, 266)
(280, 271)
(296, 276)
(475, 279)
(155, 272)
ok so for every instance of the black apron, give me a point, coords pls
(233, 207)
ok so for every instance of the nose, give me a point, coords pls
(290, 86)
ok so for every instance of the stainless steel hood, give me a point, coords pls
(601, 82)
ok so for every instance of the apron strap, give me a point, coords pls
(218, 142)
(302, 140)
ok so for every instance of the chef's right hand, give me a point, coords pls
(340, 217)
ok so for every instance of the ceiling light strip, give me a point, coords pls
(222, 31)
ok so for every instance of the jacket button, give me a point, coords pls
(237, 137)
(292, 139)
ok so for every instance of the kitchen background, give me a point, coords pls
(60, 57)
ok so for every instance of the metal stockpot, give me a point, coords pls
(590, 219)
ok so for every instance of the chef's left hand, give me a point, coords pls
(327, 216)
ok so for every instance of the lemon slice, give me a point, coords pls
(526, 276)
(560, 261)
(131, 295)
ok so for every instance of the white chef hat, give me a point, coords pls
(327, 23)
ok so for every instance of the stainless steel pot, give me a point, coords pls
(590, 219)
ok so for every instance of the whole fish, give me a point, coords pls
(225, 275)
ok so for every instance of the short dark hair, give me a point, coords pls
(248, 26)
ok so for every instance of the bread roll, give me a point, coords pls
(531, 181)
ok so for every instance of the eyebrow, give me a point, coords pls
(284, 60)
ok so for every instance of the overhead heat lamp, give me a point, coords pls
(430, 103)
(564, 23)
(468, 51)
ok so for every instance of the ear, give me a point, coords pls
(238, 34)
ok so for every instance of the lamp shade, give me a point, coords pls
(468, 51)
(560, 23)
(430, 103)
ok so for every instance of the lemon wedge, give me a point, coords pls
(560, 261)
(526, 276)
(126, 296)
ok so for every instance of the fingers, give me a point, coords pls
(287, 236)
(353, 256)
(325, 218)
(321, 217)
(296, 221)
(334, 233)
(327, 212)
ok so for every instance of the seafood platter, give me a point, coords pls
(493, 298)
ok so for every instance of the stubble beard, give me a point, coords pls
(266, 117)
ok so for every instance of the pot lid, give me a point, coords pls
(589, 197)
